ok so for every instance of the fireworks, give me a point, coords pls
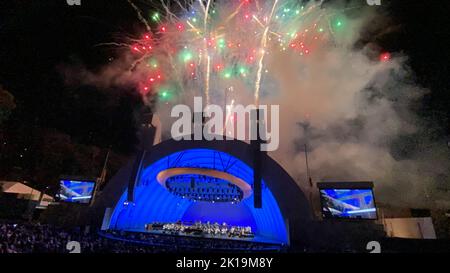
(208, 46)
(309, 58)
(384, 57)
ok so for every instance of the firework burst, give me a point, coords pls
(209, 46)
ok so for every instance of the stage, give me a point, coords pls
(254, 239)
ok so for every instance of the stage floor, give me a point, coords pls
(256, 238)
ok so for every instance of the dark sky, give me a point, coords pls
(36, 37)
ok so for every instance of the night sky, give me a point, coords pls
(38, 37)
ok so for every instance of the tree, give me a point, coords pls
(6, 104)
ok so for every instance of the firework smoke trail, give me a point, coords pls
(139, 14)
(263, 53)
(208, 75)
(228, 109)
(205, 48)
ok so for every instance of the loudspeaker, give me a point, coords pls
(257, 184)
(257, 117)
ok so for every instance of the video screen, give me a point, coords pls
(348, 203)
(72, 191)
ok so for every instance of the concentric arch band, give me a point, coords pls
(167, 173)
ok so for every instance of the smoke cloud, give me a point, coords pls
(355, 113)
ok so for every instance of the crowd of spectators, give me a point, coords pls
(38, 238)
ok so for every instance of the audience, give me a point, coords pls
(37, 238)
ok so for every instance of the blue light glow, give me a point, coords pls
(153, 203)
